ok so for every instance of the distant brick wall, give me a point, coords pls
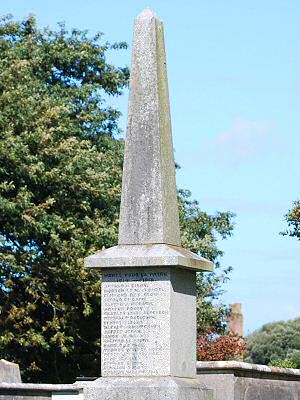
(236, 319)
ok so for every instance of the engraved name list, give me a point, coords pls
(135, 313)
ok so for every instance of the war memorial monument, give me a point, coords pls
(148, 332)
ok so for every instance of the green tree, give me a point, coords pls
(293, 220)
(60, 174)
(275, 342)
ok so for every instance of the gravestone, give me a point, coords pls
(148, 332)
(9, 372)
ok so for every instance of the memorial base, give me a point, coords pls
(148, 322)
(166, 388)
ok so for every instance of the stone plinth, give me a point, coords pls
(148, 322)
(147, 389)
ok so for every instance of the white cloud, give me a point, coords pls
(246, 139)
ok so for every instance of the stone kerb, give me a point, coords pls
(231, 380)
(39, 391)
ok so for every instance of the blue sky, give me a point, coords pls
(234, 79)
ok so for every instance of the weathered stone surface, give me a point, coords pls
(148, 256)
(146, 389)
(232, 380)
(9, 372)
(143, 313)
(246, 368)
(149, 209)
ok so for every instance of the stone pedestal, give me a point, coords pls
(148, 322)
(147, 389)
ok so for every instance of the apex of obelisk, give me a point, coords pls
(147, 13)
(149, 208)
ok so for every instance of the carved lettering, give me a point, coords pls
(135, 313)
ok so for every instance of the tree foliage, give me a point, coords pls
(287, 363)
(60, 174)
(275, 342)
(293, 220)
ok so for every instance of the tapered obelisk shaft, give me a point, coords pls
(149, 208)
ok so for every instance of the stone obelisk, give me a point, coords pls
(148, 331)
